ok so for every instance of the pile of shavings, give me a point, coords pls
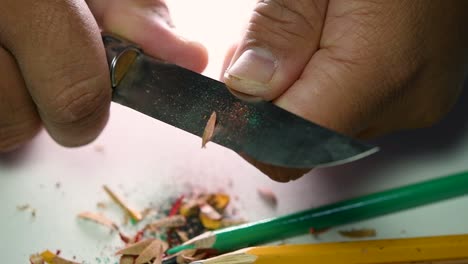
(186, 218)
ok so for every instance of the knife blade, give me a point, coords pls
(185, 99)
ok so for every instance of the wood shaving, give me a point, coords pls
(210, 212)
(183, 235)
(136, 248)
(152, 251)
(51, 258)
(99, 219)
(148, 212)
(127, 259)
(99, 148)
(134, 214)
(168, 222)
(358, 233)
(209, 130)
(185, 256)
(268, 196)
(101, 205)
(36, 259)
(232, 222)
(219, 201)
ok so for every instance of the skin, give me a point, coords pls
(54, 72)
(363, 67)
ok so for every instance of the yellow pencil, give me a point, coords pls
(441, 250)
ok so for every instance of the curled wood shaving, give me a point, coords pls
(209, 130)
(154, 251)
(99, 219)
(168, 222)
(268, 195)
(134, 214)
(358, 233)
(136, 248)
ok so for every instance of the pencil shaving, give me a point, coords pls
(36, 259)
(210, 212)
(135, 249)
(127, 259)
(152, 251)
(167, 222)
(358, 233)
(182, 235)
(209, 130)
(99, 219)
(134, 214)
(51, 258)
(268, 196)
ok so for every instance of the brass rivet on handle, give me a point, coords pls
(121, 63)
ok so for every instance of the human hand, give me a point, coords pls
(53, 65)
(363, 68)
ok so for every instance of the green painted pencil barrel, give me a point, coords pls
(340, 213)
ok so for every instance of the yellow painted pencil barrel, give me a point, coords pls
(451, 249)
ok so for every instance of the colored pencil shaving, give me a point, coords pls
(440, 250)
(209, 130)
(49, 258)
(134, 214)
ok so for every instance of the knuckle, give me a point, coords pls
(80, 101)
(286, 21)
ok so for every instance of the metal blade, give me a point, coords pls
(261, 130)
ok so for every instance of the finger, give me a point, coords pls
(19, 121)
(279, 174)
(59, 50)
(148, 24)
(280, 39)
(227, 59)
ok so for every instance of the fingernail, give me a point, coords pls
(252, 72)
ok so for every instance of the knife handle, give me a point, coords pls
(121, 54)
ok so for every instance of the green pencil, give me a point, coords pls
(340, 213)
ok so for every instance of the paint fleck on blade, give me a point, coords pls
(209, 130)
(358, 233)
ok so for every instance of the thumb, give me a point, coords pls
(281, 38)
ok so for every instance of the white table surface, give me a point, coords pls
(150, 161)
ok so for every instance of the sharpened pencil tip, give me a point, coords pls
(177, 249)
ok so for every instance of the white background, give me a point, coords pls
(149, 161)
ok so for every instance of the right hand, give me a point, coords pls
(53, 68)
